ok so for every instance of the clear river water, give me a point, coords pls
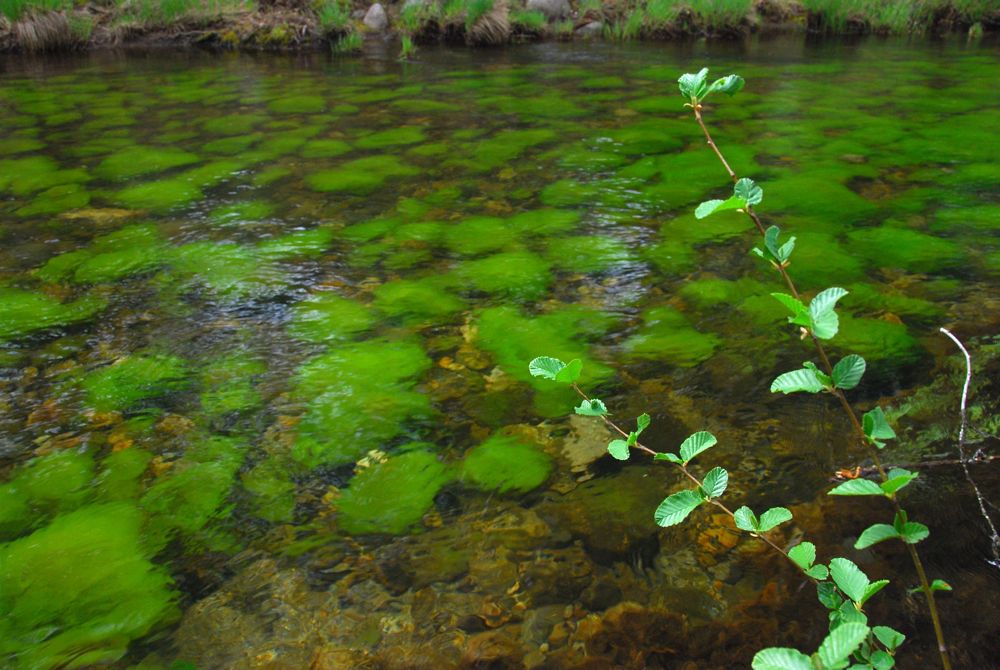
(265, 325)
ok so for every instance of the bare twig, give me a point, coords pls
(994, 537)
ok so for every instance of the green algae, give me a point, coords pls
(327, 317)
(228, 270)
(27, 176)
(121, 472)
(418, 300)
(132, 380)
(984, 218)
(75, 593)
(229, 146)
(667, 335)
(194, 494)
(544, 221)
(905, 249)
(57, 200)
(391, 497)
(479, 234)
(229, 385)
(825, 203)
(587, 254)
(273, 493)
(242, 212)
(672, 257)
(505, 146)
(870, 299)
(360, 176)
(358, 397)
(137, 161)
(877, 340)
(23, 312)
(297, 244)
(518, 274)
(394, 137)
(49, 485)
(506, 465)
(19, 145)
(131, 250)
(298, 104)
(820, 260)
(159, 196)
(324, 148)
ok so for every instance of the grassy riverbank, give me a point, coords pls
(50, 25)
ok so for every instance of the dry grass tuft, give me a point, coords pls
(492, 28)
(48, 31)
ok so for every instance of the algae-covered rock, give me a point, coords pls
(518, 274)
(228, 384)
(138, 160)
(298, 104)
(505, 464)
(229, 270)
(129, 251)
(877, 340)
(56, 200)
(506, 145)
(357, 397)
(544, 221)
(242, 212)
(392, 496)
(77, 592)
(360, 176)
(297, 244)
(272, 491)
(133, 379)
(479, 234)
(391, 138)
(49, 485)
(327, 317)
(593, 253)
(159, 196)
(905, 249)
(324, 148)
(23, 312)
(667, 335)
(420, 299)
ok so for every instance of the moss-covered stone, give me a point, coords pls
(544, 221)
(77, 592)
(504, 464)
(392, 496)
(298, 104)
(24, 312)
(479, 234)
(667, 335)
(327, 317)
(905, 249)
(593, 253)
(140, 160)
(57, 200)
(418, 299)
(132, 380)
(131, 250)
(360, 176)
(518, 274)
(159, 196)
(393, 137)
(324, 148)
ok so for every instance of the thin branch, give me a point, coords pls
(994, 537)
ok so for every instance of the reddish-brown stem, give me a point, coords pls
(855, 423)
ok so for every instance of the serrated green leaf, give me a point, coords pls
(824, 379)
(876, 426)
(618, 449)
(881, 660)
(773, 517)
(824, 322)
(872, 589)
(898, 478)
(849, 578)
(745, 519)
(841, 643)
(673, 458)
(696, 444)
(875, 534)
(940, 585)
(848, 613)
(642, 423)
(848, 371)
(710, 207)
(818, 572)
(803, 554)
(889, 637)
(545, 366)
(730, 85)
(677, 507)
(771, 240)
(693, 85)
(571, 372)
(800, 314)
(804, 380)
(785, 252)
(913, 532)
(781, 658)
(828, 596)
(747, 190)
(593, 407)
(857, 487)
(715, 482)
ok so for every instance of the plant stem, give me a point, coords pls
(855, 423)
(641, 447)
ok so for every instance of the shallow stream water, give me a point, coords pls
(265, 325)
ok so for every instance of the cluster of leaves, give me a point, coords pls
(842, 587)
